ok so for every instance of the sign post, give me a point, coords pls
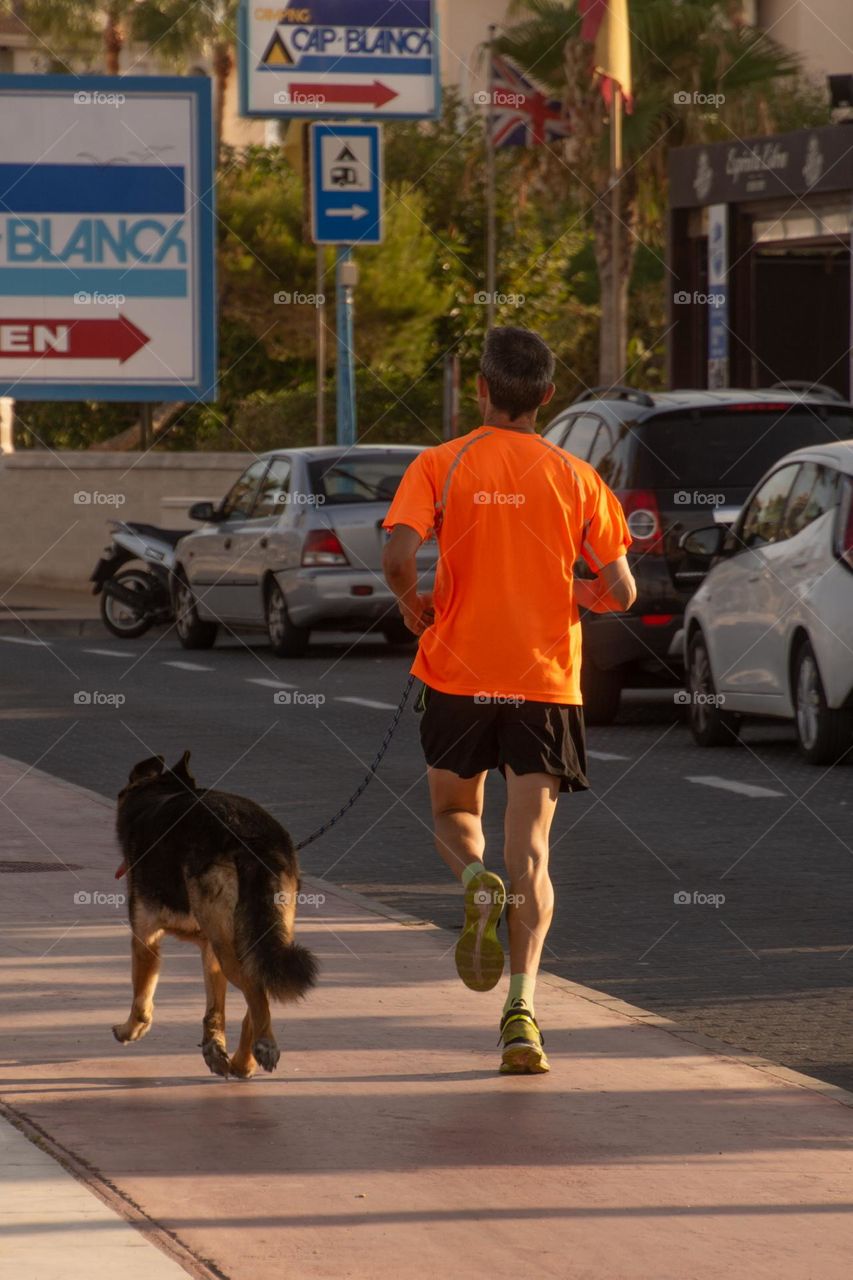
(346, 210)
(107, 285)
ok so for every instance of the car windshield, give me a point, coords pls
(732, 449)
(359, 477)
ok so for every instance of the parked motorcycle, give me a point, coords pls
(137, 598)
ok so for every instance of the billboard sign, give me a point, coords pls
(333, 58)
(106, 238)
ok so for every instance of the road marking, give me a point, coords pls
(270, 684)
(24, 640)
(188, 666)
(605, 755)
(368, 702)
(109, 653)
(741, 788)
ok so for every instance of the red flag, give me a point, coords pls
(605, 24)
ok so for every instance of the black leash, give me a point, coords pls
(386, 742)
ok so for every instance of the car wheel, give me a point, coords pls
(602, 693)
(123, 620)
(398, 634)
(823, 734)
(286, 640)
(710, 726)
(193, 633)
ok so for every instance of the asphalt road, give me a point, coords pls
(768, 966)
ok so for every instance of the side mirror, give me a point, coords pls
(204, 511)
(705, 543)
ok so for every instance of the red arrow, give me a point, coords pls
(377, 94)
(117, 339)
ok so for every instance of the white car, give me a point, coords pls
(770, 630)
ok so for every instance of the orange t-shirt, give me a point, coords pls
(512, 513)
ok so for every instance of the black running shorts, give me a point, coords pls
(468, 735)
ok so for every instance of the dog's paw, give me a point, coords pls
(243, 1067)
(216, 1057)
(133, 1029)
(267, 1053)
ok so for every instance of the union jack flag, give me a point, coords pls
(522, 115)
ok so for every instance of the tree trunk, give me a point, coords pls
(223, 64)
(113, 41)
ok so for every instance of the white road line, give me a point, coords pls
(110, 653)
(368, 702)
(605, 755)
(188, 666)
(24, 640)
(270, 684)
(741, 788)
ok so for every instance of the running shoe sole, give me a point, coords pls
(479, 954)
(524, 1060)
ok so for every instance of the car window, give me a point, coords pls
(602, 446)
(728, 451)
(557, 431)
(241, 497)
(583, 432)
(274, 491)
(358, 477)
(763, 520)
(815, 492)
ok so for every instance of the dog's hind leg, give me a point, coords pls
(263, 1045)
(213, 1046)
(243, 1062)
(145, 970)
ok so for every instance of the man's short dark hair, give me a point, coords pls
(519, 368)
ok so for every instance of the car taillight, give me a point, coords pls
(644, 521)
(323, 547)
(844, 548)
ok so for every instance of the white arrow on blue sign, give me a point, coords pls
(346, 184)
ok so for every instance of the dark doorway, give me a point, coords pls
(801, 316)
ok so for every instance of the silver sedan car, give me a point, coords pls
(296, 547)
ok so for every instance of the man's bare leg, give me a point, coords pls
(531, 804)
(457, 815)
(457, 807)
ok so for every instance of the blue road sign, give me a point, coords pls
(107, 288)
(346, 184)
(333, 58)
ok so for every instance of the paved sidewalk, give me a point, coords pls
(386, 1145)
(49, 611)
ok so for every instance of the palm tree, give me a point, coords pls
(178, 31)
(678, 48)
(75, 29)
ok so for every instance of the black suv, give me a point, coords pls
(677, 460)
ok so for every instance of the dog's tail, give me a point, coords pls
(265, 916)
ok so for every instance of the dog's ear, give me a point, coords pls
(181, 770)
(147, 769)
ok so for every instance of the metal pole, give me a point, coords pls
(321, 345)
(616, 249)
(347, 424)
(491, 187)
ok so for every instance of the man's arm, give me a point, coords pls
(613, 591)
(401, 573)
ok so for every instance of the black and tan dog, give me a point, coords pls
(217, 870)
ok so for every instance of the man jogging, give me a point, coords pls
(501, 660)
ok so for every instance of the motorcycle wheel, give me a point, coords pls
(122, 619)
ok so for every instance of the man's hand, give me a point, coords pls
(418, 613)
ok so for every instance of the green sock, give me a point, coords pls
(473, 869)
(521, 988)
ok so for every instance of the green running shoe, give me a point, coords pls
(523, 1046)
(479, 954)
